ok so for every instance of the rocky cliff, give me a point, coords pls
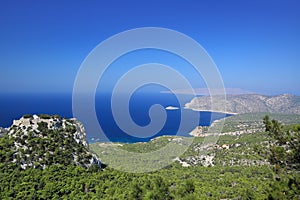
(38, 141)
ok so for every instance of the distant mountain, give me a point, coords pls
(39, 141)
(248, 103)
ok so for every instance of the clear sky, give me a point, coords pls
(255, 44)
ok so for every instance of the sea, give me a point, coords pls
(14, 106)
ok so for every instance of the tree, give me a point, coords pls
(267, 123)
(186, 188)
(135, 191)
(285, 156)
(275, 129)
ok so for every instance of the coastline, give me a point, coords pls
(216, 111)
(212, 123)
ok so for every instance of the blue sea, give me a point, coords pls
(13, 106)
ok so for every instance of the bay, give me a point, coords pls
(13, 106)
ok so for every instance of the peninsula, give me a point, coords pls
(248, 103)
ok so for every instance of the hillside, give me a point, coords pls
(245, 123)
(257, 165)
(249, 103)
(40, 141)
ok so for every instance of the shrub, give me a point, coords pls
(26, 116)
(57, 116)
(45, 116)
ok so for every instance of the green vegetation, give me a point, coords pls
(39, 143)
(257, 117)
(173, 182)
(44, 116)
(260, 165)
(27, 116)
(284, 155)
(285, 150)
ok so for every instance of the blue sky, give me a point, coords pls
(255, 44)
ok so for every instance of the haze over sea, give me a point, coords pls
(14, 106)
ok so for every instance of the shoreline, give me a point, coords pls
(214, 111)
(168, 135)
(189, 135)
